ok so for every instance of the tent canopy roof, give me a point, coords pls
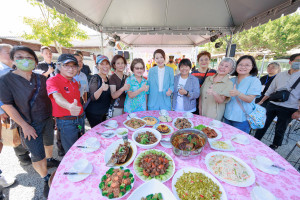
(172, 22)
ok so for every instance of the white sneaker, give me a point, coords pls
(6, 182)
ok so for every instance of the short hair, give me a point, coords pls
(185, 62)
(254, 70)
(136, 61)
(161, 52)
(79, 53)
(5, 46)
(293, 57)
(23, 48)
(276, 64)
(76, 54)
(230, 60)
(45, 47)
(114, 60)
(203, 53)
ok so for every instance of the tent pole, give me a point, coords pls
(102, 48)
(229, 45)
(262, 66)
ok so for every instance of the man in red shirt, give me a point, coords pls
(64, 94)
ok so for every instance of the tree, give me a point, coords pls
(277, 37)
(53, 28)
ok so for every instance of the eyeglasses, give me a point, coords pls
(71, 67)
(139, 68)
(201, 60)
(21, 58)
(247, 66)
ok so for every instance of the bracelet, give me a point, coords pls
(187, 93)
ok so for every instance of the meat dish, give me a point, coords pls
(135, 123)
(123, 153)
(116, 182)
(146, 138)
(188, 141)
(163, 129)
(182, 123)
(211, 133)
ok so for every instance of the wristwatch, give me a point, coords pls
(187, 93)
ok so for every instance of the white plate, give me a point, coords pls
(165, 118)
(132, 184)
(217, 131)
(166, 113)
(188, 115)
(110, 131)
(114, 146)
(170, 127)
(132, 129)
(151, 187)
(157, 120)
(247, 183)
(77, 178)
(240, 139)
(111, 127)
(91, 142)
(131, 115)
(260, 193)
(173, 123)
(228, 142)
(180, 172)
(120, 130)
(268, 170)
(146, 146)
(137, 158)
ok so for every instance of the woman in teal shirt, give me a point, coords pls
(246, 88)
(161, 83)
(136, 98)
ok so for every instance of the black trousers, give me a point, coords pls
(94, 120)
(283, 119)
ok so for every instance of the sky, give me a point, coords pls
(11, 17)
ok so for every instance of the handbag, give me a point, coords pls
(283, 95)
(115, 102)
(89, 99)
(257, 118)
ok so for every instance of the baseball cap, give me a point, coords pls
(66, 58)
(101, 58)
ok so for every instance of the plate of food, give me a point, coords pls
(116, 183)
(212, 133)
(164, 129)
(151, 190)
(154, 164)
(151, 121)
(191, 182)
(230, 169)
(127, 152)
(134, 124)
(165, 118)
(146, 138)
(182, 123)
(221, 145)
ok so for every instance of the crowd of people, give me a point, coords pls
(64, 93)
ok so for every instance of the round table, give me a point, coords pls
(285, 185)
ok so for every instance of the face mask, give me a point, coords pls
(296, 65)
(25, 65)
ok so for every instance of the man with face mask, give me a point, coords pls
(282, 110)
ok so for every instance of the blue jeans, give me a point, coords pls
(69, 131)
(243, 126)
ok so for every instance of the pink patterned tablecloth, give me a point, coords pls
(285, 185)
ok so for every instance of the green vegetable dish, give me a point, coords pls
(116, 182)
(194, 185)
(156, 196)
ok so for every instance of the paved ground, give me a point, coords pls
(30, 186)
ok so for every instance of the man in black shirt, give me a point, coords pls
(47, 66)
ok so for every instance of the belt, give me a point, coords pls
(71, 117)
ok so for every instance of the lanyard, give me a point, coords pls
(269, 79)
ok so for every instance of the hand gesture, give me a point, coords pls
(104, 86)
(74, 109)
(169, 92)
(182, 91)
(50, 69)
(210, 90)
(126, 87)
(3, 117)
(29, 132)
(145, 88)
(234, 92)
(296, 115)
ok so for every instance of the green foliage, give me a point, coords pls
(278, 37)
(53, 28)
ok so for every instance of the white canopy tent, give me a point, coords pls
(172, 22)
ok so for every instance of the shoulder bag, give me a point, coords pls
(283, 95)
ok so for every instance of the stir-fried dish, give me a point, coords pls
(163, 129)
(156, 196)
(228, 168)
(182, 123)
(211, 133)
(195, 185)
(146, 138)
(188, 141)
(135, 123)
(116, 182)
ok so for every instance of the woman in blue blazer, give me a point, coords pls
(161, 83)
(186, 88)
